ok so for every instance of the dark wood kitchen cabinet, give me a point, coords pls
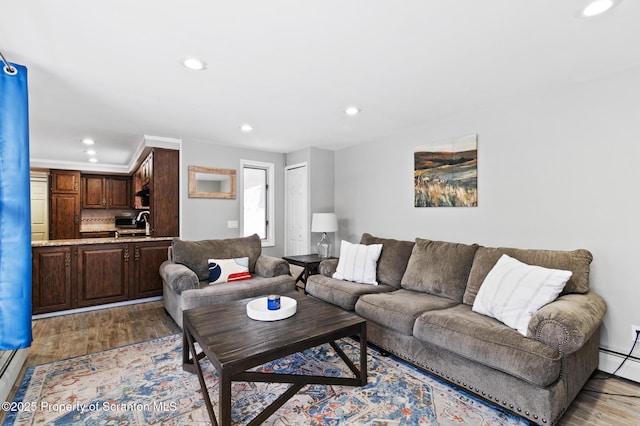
(52, 279)
(106, 192)
(159, 171)
(65, 182)
(147, 259)
(64, 205)
(164, 199)
(83, 275)
(103, 274)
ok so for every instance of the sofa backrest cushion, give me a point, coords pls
(196, 254)
(393, 259)
(439, 267)
(576, 261)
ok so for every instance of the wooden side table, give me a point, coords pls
(310, 263)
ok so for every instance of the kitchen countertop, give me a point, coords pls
(79, 241)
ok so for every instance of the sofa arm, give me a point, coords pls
(269, 266)
(328, 267)
(568, 322)
(178, 276)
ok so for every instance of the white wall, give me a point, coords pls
(556, 170)
(203, 218)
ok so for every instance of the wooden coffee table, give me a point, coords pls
(234, 343)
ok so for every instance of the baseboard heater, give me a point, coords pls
(11, 363)
(5, 360)
(611, 360)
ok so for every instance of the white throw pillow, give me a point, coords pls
(228, 270)
(358, 262)
(513, 291)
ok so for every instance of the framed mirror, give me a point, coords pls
(205, 182)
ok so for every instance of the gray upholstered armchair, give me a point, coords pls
(185, 275)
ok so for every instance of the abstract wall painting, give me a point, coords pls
(445, 173)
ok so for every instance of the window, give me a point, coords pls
(257, 198)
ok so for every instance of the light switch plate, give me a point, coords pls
(232, 224)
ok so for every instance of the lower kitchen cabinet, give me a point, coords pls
(77, 276)
(147, 259)
(103, 274)
(51, 279)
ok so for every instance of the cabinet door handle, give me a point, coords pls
(67, 259)
(136, 254)
(126, 254)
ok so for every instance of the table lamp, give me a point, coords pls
(324, 222)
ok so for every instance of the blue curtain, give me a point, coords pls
(15, 211)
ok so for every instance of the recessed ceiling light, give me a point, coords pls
(352, 110)
(246, 128)
(88, 141)
(90, 152)
(194, 64)
(93, 160)
(597, 7)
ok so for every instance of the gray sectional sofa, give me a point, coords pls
(185, 275)
(421, 311)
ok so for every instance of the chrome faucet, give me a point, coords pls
(144, 214)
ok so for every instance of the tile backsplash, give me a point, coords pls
(101, 220)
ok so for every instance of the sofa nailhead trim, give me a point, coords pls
(554, 322)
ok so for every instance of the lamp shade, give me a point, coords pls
(324, 222)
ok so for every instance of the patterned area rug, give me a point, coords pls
(144, 384)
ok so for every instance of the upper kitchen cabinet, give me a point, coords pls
(64, 206)
(65, 182)
(106, 192)
(159, 174)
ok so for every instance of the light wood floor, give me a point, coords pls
(72, 335)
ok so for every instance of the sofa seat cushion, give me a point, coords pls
(439, 267)
(341, 293)
(398, 310)
(489, 342)
(393, 259)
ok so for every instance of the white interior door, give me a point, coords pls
(296, 210)
(39, 208)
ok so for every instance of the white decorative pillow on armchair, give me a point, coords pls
(228, 270)
(513, 291)
(358, 262)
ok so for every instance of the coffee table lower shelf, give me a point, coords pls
(234, 356)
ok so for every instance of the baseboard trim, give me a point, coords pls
(610, 361)
(95, 308)
(11, 372)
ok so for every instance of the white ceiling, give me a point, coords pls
(111, 69)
